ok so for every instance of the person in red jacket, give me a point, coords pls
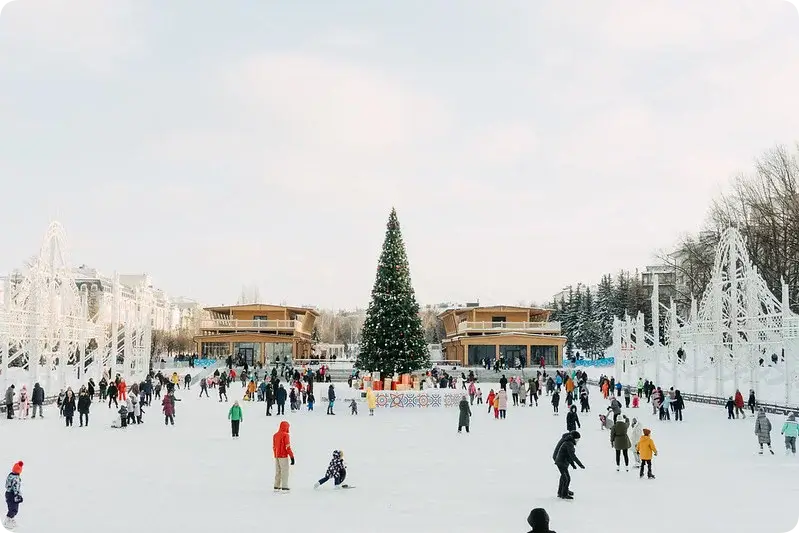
(739, 404)
(281, 446)
(490, 400)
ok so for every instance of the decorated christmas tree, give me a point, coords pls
(392, 339)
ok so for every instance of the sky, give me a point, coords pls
(525, 145)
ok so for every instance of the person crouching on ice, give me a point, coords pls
(336, 470)
(353, 407)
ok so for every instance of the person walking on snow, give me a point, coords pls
(335, 470)
(281, 447)
(235, 417)
(739, 404)
(564, 457)
(790, 429)
(9, 398)
(472, 392)
(555, 401)
(13, 495)
(168, 406)
(490, 400)
(572, 420)
(646, 449)
(464, 415)
(24, 403)
(621, 442)
(514, 390)
(763, 431)
(752, 403)
(69, 407)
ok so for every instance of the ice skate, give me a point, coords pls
(770, 450)
(618, 469)
(316, 485)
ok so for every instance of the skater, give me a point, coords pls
(24, 403)
(539, 521)
(479, 396)
(564, 457)
(168, 407)
(584, 405)
(112, 394)
(739, 404)
(472, 392)
(331, 398)
(84, 401)
(490, 400)
(621, 441)
(10, 402)
(371, 401)
(60, 403)
(464, 415)
(678, 405)
(311, 400)
(555, 401)
(635, 435)
(572, 420)
(627, 395)
(353, 407)
(222, 390)
(514, 391)
(203, 387)
(502, 403)
(123, 415)
(281, 447)
(730, 408)
(187, 381)
(752, 403)
(281, 396)
(790, 429)
(269, 396)
(13, 495)
(69, 406)
(235, 417)
(37, 398)
(646, 449)
(335, 470)
(763, 431)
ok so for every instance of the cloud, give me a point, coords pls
(91, 34)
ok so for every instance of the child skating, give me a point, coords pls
(645, 450)
(763, 431)
(13, 495)
(790, 429)
(353, 407)
(335, 470)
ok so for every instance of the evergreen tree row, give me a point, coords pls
(587, 318)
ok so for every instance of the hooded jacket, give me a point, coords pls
(336, 467)
(791, 427)
(565, 455)
(38, 395)
(763, 428)
(572, 420)
(281, 442)
(618, 435)
(539, 521)
(465, 413)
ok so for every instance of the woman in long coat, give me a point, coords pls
(621, 441)
(763, 431)
(465, 414)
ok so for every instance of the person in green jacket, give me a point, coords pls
(235, 417)
(791, 431)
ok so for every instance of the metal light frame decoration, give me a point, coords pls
(733, 334)
(46, 330)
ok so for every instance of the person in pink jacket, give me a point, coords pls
(472, 392)
(503, 403)
(168, 404)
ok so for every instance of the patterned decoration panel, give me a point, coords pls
(414, 399)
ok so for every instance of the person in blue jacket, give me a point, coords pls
(790, 429)
(13, 495)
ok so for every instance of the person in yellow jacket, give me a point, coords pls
(251, 390)
(646, 449)
(175, 380)
(371, 401)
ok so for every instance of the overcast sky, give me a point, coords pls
(525, 144)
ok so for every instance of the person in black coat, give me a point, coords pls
(222, 389)
(678, 405)
(269, 396)
(280, 397)
(112, 394)
(572, 420)
(564, 457)
(539, 521)
(37, 399)
(90, 388)
(503, 382)
(69, 406)
(331, 399)
(84, 401)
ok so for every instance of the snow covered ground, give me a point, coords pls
(413, 472)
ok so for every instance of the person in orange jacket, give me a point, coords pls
(490, 400)
(251, 390)
(646, 449)
(605, 388)
(122, 389)
(281, 446)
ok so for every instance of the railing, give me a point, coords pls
(235, 324)
(549, 327)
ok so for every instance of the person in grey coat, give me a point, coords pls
(10, 402)
(620, 441)
(763, 431)
(465, 414)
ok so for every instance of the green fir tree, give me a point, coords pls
(392, 339)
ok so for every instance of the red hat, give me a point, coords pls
(17, 468)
